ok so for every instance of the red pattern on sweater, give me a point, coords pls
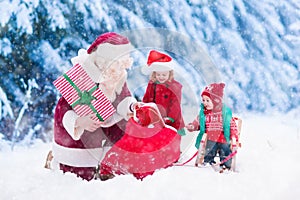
(214, 126)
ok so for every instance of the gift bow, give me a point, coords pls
(85, 97)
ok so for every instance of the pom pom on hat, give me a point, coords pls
(158, 61)
(215, 92)
(82, 56)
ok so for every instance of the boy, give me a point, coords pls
(215, 119)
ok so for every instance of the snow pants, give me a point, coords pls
(214, 148)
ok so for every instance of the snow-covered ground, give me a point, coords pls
(268, 168)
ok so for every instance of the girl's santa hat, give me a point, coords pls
(215, 92)
(159, 62)
(107, 47)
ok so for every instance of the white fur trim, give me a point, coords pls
(112, 52)
(77, 157)
(54, 165)
(68, 121)
(158, 67)
(86, 61)
(80, 58)
(123, 107)
(91, 69)
(170, 127)
(106, 51)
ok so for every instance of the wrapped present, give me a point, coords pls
(83, 94)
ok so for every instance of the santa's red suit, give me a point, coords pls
(148, 145)
(80, 151)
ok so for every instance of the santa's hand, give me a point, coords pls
(137, 105)
(88, 123)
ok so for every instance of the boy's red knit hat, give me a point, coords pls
(215, 92)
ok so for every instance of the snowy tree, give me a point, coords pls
(253, 44)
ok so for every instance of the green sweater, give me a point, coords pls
(226, 114)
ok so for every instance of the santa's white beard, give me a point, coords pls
(113, 85)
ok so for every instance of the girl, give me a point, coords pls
(163, 89)
(216, 120)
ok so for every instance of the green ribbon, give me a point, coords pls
(85, 97)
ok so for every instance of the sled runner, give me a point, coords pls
(235, 144)
(201, 150)
(48, 160)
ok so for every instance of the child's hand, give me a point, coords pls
(167, 120)
(190, 127)
(88, 123)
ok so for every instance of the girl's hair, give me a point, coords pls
(153, 76)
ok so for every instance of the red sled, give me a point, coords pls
(235, 144)
(148, 145)
(83, 95)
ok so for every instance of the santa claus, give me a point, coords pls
(80, 141)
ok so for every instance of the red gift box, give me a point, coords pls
(83, 95)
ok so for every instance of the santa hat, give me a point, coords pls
(215, 92)
(158, 61)
(108, 46)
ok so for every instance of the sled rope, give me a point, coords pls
(181, 164)
(220, 163)
(227, 158)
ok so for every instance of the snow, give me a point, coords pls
(267, 162)
(5, 108)
(253, 44)
(5, 46)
